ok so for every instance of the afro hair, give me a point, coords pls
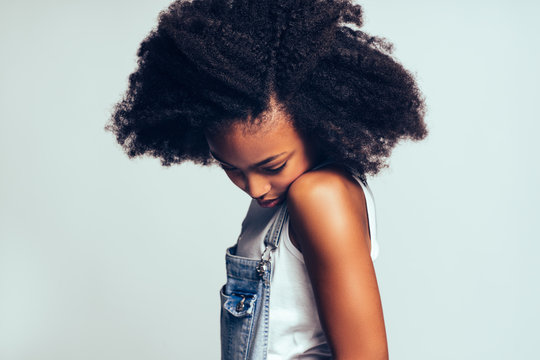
(210, 63)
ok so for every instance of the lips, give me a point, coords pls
(269, 203)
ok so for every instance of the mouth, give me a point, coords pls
(269, 203)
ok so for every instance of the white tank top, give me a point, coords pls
(294, 327)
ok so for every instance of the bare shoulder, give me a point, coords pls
(325, 205)
(331, 183)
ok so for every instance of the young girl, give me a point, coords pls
(297, 105)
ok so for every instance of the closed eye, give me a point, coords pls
(266, 170)
(275, 170)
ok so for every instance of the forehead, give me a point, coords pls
(242, 144)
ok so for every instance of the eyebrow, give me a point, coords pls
(260, 163)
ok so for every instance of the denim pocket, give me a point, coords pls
(237, 317)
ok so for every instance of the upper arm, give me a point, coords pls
(330, 225)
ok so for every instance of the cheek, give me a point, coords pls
(283, 182)
(280, 184)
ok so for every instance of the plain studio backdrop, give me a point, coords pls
(106, 258)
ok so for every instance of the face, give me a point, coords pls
(263, 161)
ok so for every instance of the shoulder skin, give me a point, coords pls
(328, 222)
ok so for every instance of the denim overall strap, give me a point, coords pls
(245, 299)
(271, 242)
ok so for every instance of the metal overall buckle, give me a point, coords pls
(264, 263)
(262, 267)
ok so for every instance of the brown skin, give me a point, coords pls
(328, 217)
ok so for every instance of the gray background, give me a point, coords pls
(106, 258)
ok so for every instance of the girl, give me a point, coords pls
(297, 105)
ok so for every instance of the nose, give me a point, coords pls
(256, 186)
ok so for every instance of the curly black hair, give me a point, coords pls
(210, 63)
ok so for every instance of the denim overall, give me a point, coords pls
(245, 299)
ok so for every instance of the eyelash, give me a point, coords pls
(270, 171)
(276, 170)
